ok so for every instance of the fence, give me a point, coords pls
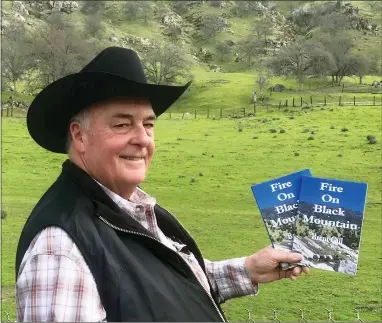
(275, 316)
(8, 110)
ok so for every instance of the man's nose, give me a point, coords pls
(140, 136)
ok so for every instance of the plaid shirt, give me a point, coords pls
(54, 282)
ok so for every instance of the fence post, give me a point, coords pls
(233, 111)
(293, 102)
(311, 100)
(12, 111)
(183, 116)
(208, 113)
(354, 100)
(244, 111)
(195, 114)
(343, 85)
(2, 110)
(7, 111)
(301, 102)
(254, 107)
(339, 103)
(279, 105)
(325, 100)
(374, 100)
(170, 115)
(286, 103)
(221, 113)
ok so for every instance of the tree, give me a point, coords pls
(94, 25)
(15, 60)
(338, 49)
(57, 52)
(262, 79)
(294, 60)
(92, 7)
(223, 49)
(164, 64)
(262, 28)
(249, 48)
(213, 24)
(138, 10)
(333, 23)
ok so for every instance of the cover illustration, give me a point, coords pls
(329, 223)
(277, 200)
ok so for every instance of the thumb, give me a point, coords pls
(285, 256)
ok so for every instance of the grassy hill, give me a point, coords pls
(203, 170)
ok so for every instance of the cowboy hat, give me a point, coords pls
(114, 72)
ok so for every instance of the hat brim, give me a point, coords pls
(50, 112)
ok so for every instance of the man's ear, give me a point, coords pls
(77, 132)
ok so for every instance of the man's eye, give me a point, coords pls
(149, 125)
(122, 125)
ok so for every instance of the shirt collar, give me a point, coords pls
(138, 198)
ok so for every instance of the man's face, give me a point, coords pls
(118, 147)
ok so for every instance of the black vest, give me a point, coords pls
(138, 278)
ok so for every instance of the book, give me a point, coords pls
(329, 223)
(277, 200)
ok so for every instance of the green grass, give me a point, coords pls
(219, 209)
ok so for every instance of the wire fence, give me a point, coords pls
(20, 109)
(275, 315)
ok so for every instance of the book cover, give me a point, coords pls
(277, 200)
(329, 223)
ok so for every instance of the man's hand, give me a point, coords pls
(264, 265)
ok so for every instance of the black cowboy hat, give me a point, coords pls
(115, 72)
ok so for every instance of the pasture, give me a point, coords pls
(202, 172)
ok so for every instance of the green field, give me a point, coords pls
(218, 207)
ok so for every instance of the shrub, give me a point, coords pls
(339, 155)
(370, 137)
(272, 130)
(332, 127)
(255, 137)
(291, 117)
(240, 129)
(282, 131)
(200, 174)
(372, 141)
(193, 180)
(3, 214)
(312, 132)
(305, 131)
(297, 154)
(344, 129)
(311, 138)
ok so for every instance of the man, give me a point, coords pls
(96, 247)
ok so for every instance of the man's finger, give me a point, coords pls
(305, 270)
(284, 256)
(296, 271)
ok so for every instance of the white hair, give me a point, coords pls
(83, 118)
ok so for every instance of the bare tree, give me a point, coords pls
(223, 49)
(138, 10)
(338, 48)
(212, 24)
(92, 7)
(294, 60)
(262, 79)
(165, 64)
(58, 52)
(249, 48)
(262, 28)
(94, 25)
(15, 55)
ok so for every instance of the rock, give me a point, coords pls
(19, 7)
(4, 25)
(278, 88)
(215, 68)
(172, 19)
(113, 39)
(347, 267)
(205, 54)
(68, 6)
(19, 17)
(11, 88)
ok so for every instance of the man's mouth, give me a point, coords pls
(132, 158)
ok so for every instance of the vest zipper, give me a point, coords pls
(145, 235)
